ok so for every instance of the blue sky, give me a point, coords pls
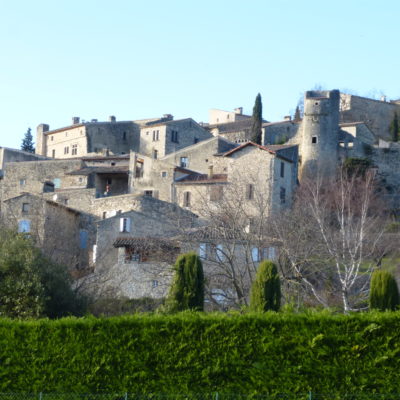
(139, 59)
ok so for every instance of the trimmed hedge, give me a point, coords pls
(198, 353)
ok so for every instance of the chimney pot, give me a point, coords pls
(75, 120)
(112, 118)
(210, 171)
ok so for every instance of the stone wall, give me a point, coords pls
(279, 132)
(31, 176)
(376, 114)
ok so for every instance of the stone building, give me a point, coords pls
(61, 232)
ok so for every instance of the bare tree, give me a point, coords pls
(334, 237)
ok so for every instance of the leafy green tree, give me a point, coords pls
(187, 290)
(31, 286)
(394, 128)
(384, 293)
(265, 292)
(256, 128)
(27, 142)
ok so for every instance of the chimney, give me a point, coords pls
(210, 171)
(287, 118)
(93, 120)
(168, 117)
(383, 98)
(238, 110)
(75, 120)
(112, 118)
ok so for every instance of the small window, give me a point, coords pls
(154, 284)
(184, 162)
(250, 191)
(109, 181)
(186, 199)
(148, 193)
(282, 195)
(155, 154)
(57, 183)
(25, 207)
(216, 193)
(124, 224)
(164, 174)
(104, 214)
(196, 140)
(53, 153)
(203, 250)
(174, 137)
(113, 164)
(83, 237)
(255, 254)
(219, 253)
(51, 138)
(74, 150)
(80, 179)
(124, 136)
(272, 253)
(24, 226)
(314, 140)
(282, 169)
(66, 150)
(22, 182)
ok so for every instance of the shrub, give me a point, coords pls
(187, 290)
(384, 293)
(266, 289)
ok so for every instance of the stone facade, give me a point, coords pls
(222, 117)
(157, 140)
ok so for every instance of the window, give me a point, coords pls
(250, 191)
(22, 182)
(83, 237)
(203, 250)
(156, 136)
(104, 214)
(139, 170)
(184, 162)
(123, 135)
(124, 224)
(57, 183)
(74, 150)
(24, 226)
(148, 193)
(109, 181)
(196, 140)
(113, 164)
(282, 169)
(174, 136)
(51, 138)
(186, 199)
(219, 253)
(164, 174)
(215, 193)
(314, 140)
(66, 150)
(25, 207)
(282, 195)
(255, 254)
(272, 253)
(154, 284)
(155, 154)
(53, 153)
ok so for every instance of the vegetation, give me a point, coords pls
(356, 166)
(187, 290)
(256, 128)
(265, 292)
(197, 353)
(297, 115)
(31, 286)
(384, 293)
(394, 128)
(27, 142)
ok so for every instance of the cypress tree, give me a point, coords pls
(384, 293)
(265, 292)
(187, 290)
(27, 142)
(297, 116)
(256, 128)
(394, 128)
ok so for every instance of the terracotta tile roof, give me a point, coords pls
(100, 170)
(148, 243)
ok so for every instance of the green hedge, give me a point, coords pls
(193, 353)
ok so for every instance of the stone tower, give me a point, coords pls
(320, 133)
(41, 139)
